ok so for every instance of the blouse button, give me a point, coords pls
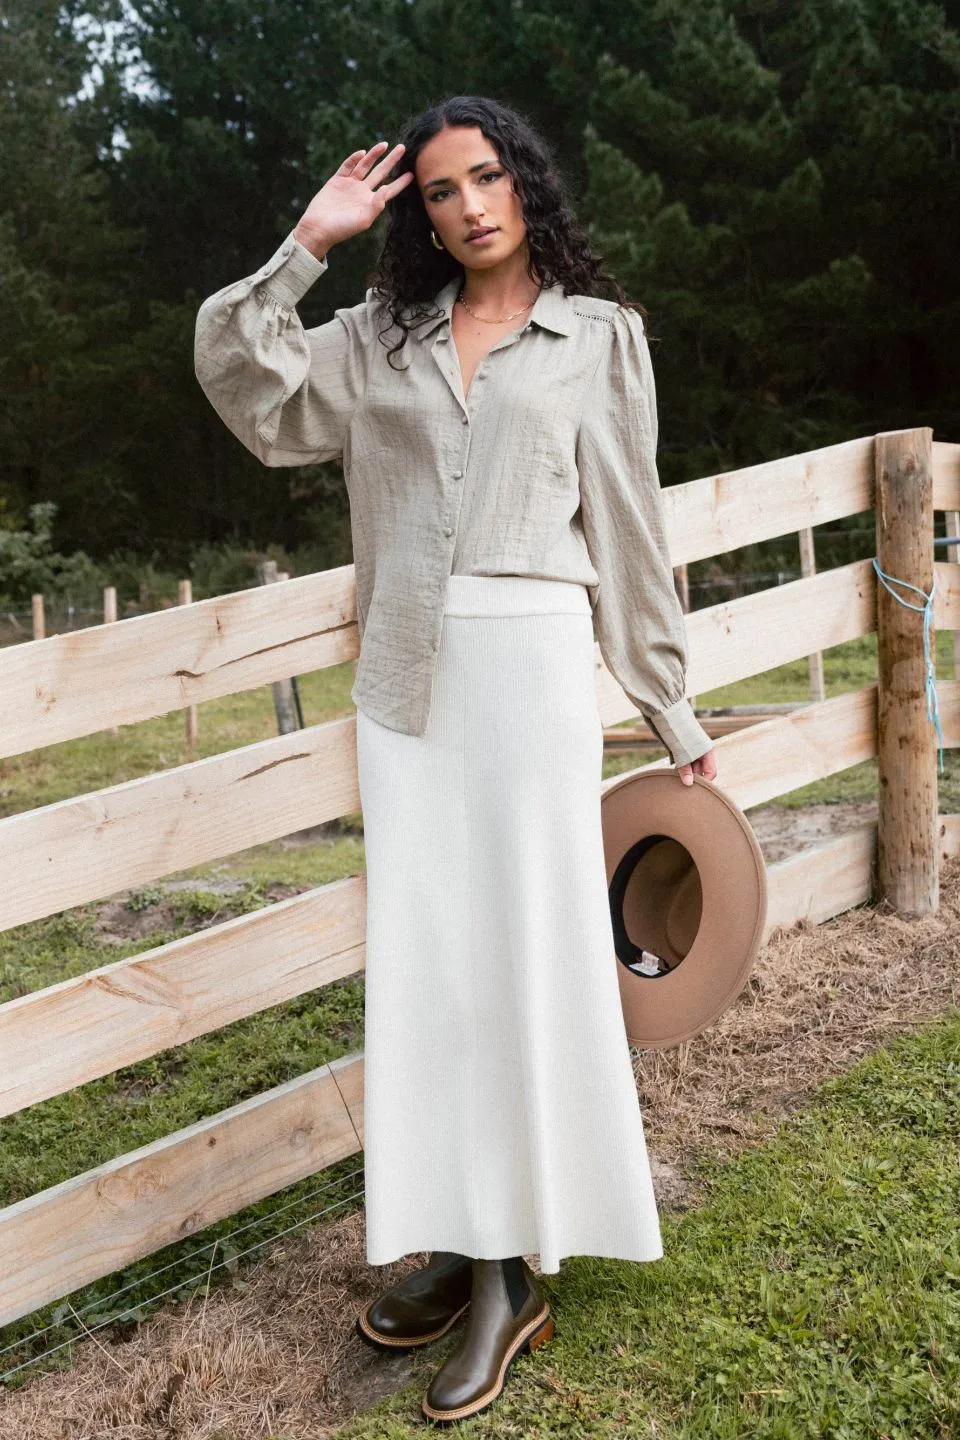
(458, 474)
(447, 530)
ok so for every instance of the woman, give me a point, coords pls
(497, 425)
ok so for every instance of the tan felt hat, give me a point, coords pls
(688, 900)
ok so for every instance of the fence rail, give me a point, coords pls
(134, 1008)
(93, 845)
(89, 1226)
(129, 834)
(148, 665)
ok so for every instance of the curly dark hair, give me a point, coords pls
(410, 270)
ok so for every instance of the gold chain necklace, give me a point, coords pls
(503, 319)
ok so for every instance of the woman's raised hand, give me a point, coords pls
(350, 201)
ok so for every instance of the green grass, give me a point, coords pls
(815, 1293)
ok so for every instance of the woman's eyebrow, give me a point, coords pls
(445, 179)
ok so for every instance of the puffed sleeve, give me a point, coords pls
(638, 620)
(286, 392)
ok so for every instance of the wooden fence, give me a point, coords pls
(91, 846)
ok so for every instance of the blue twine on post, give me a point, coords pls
(933, 708)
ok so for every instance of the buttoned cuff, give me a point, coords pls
(681, 732)
(290, 272)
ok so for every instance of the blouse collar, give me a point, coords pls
(551, 309)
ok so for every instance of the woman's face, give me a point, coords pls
(465, 188)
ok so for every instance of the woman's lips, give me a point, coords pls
(478, 239)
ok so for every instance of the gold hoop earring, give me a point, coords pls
(438, 243)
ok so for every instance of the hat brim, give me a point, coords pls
(664, 1010)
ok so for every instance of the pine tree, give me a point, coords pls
(777, 185)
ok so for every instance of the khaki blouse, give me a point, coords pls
(545, 468)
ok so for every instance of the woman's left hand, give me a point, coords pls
(705, 765)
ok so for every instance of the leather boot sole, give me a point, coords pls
(535, 1333)
(368, 1331)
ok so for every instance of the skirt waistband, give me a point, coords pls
(514, 595)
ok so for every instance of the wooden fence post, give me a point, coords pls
(283, 699)
(952, 519)
(294, 682)
(39, 621)
(185, 597)
(908, 848)
(109, 617)
(808, 566)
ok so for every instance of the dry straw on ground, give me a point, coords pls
(280, 1357)
(820, 998)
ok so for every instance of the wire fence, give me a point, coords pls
(64, 613)
(20, 1349)
(62, 616)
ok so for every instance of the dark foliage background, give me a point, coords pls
(776, 182)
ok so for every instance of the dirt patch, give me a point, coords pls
(782, 831)
(165, 909)
(116, 922)
(281, 1355)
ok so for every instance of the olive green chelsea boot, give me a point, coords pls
(508, 1317)
(422, 1306)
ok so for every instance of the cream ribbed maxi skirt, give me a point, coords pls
(500, 1110)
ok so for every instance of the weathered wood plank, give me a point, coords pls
(908, 850)
(65, 1035)
(718, 513)
(948, 699)
(949, 834)
(946, 475)
(62, 855)
(951, 525)
(92, 1225)
(69, 685)
(825, 880)
(760, 631)
(822, 880)
(778, 755)
(753, 633)
(946, 598)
